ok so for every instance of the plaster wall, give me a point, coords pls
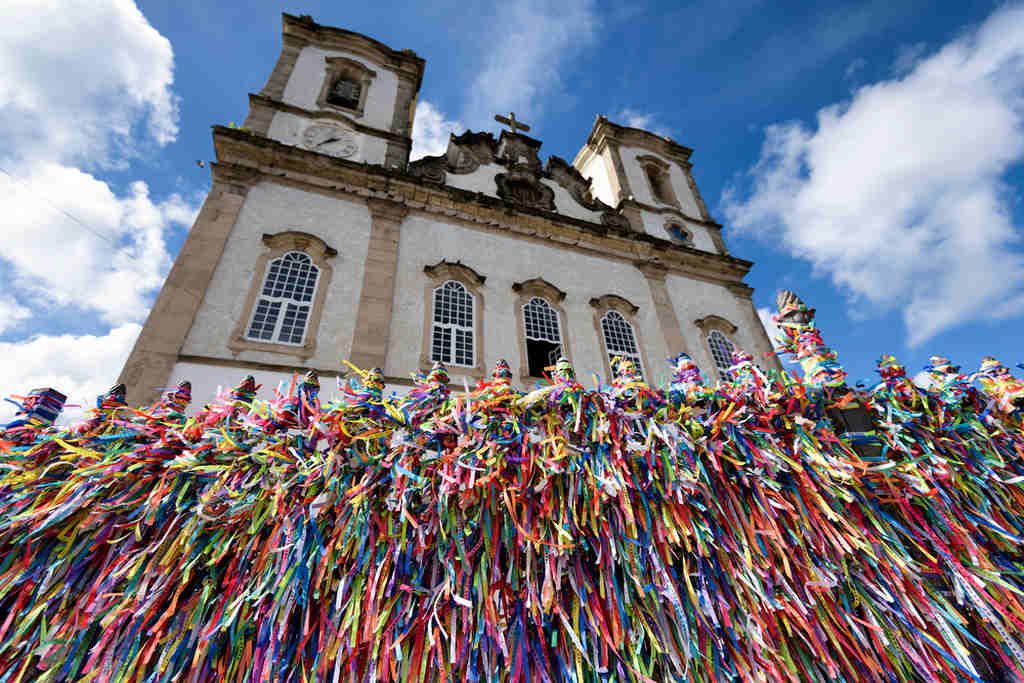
(480, 180)
(209, 381)
(504, 261)
(695, 299)
(288, 128)
(307, 79)
(654, 224)
(642, 188)
(597, 170)
(269, 209)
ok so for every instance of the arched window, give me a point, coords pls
(451, 338)
(282, 309)
(619, 339)
(346, 92)
(721, 351)
(543, 335)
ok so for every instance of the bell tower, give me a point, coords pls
(339, 93)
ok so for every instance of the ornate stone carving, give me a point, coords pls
(613, 219)
(525, 189)
(431, 169)
(470, 151)
(519, 151)
(578, 187)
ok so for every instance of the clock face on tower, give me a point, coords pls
(330, 139)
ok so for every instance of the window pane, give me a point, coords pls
(619, 339)
(721, 350)
(452, 322)
(294, 324)
(290, 285)
(463, 347)
(541, 321)
(441, 345)
(264, 319)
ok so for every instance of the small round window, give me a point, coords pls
(678, 233)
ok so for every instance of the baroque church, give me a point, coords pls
(321, 241)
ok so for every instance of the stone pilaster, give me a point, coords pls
(667, 319)
(149, 366)
(765, 350)
(376, 300)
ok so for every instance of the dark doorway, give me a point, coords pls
(541, 354)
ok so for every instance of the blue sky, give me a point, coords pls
(866, 155)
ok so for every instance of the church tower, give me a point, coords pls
(319, 241)
(339, 93)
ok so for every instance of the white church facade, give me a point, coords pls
(319, 241)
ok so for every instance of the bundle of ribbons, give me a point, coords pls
(619, 533)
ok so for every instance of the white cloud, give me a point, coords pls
(644, 121)
(770, 325)
(79, 76)
(430, 131)
(531, 44)
(12, 314)
(898, 194)
(71, 104)
(109, 261)
(82, 367)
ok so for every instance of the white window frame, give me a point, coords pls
(634, 355)
(284, 301)
(453, 327)
(722, 371)
(542, 324)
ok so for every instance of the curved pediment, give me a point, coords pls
(457, 270)
(614, 302)
(537, 286)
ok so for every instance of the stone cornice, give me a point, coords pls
(246, 155)
(605, 131)
(256, 100)
(303, 30)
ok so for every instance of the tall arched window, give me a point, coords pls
(282, 309)
(543, 335)
(619, 338)
(451, 338)
(721, 351)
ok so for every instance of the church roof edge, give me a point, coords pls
(605, 127)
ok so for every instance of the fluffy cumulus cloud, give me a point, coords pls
(79, 77)
(532, 44)
(82, 367)
(112, 252)
(86, 88)
(899, 194)
(430, 131)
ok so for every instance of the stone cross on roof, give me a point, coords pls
(511, 122)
